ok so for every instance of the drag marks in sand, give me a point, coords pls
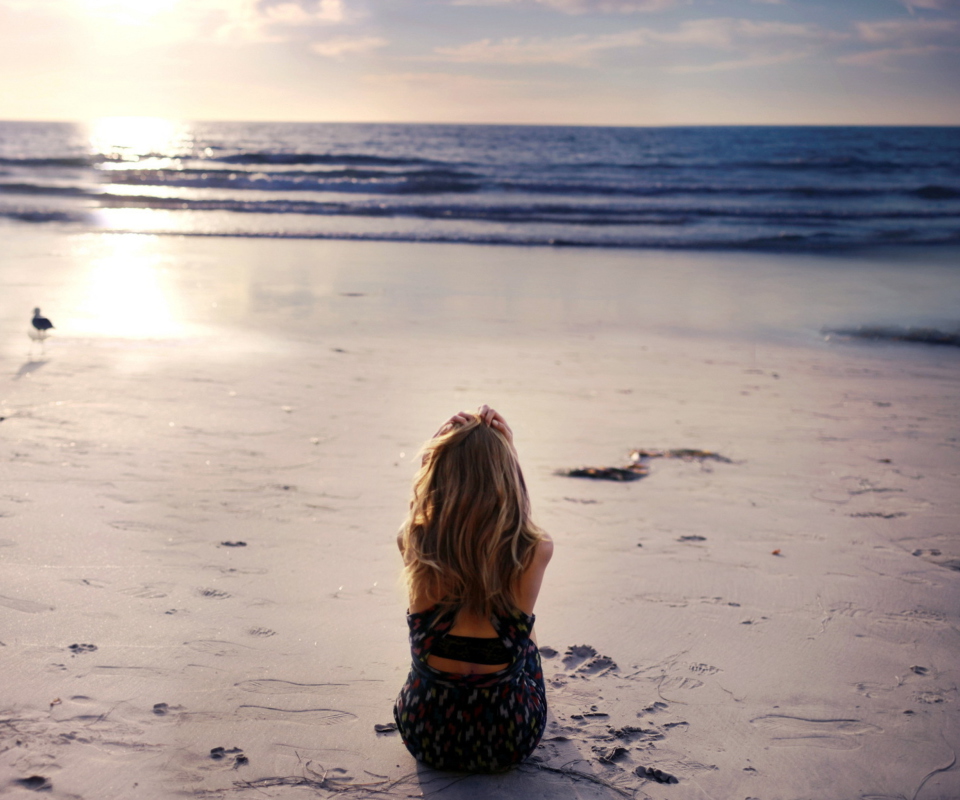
(24, 605)
(897, 627)
(302, 716)
(833, 734)
(276, 686)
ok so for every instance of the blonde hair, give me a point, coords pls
(469, 537)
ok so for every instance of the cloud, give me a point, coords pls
(343, 45)
(609, 6)
(578, 49)
(901, 38)
(441, 80)
(906, 30)
(225, 21)
(724, 33)
(586, 6)
(247, 21)
(938, 5)
(727, 32)
(888, 56)
(740, 63)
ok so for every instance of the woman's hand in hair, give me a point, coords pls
(458, 419)
(492, 418)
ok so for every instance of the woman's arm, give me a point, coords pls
(532, 579)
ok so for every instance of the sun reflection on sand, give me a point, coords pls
(126, 292)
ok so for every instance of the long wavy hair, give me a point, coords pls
(469, 536)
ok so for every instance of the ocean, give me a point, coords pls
(777, 188)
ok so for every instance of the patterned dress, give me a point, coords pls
(472, 723)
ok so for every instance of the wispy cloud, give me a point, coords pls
(586, 6)
(728, 32)
(888, 57)
(223, 21)
(938, 5)
(610, 6)
(441, 80)
(347, 45)
(906, 30)
(578, 49)
(741, 63)
(902, 38)
(245, 21)
(724, 33)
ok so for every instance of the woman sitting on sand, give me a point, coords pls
(473, 560)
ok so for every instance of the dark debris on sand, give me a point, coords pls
(637, 468)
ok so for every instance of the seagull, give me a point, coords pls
(40, 327)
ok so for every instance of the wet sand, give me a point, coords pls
(205, 469)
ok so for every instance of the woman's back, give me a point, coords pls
(473, 626)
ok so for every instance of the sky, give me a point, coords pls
(612, 62)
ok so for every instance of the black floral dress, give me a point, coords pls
(472, 723)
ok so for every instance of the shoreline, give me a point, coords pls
(61, 222)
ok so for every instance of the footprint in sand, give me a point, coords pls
(216, 647)
(148, 591)
(833, 734)
(217, 594)
(655, 708)
(583, 660)
(36, 783)
(653, 774)
(704, 669)
(239, 759)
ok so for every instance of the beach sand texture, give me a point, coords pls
(204, 470)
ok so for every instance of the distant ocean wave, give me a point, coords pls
(796, 188)
(435, 181)
(893, 333)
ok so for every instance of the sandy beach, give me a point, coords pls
(205, 467)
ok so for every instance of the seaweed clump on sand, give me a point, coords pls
(638, 468)
(683, 453)
(631, 472)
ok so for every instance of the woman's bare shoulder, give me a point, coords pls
(544, 551)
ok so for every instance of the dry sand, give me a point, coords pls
(203, 474)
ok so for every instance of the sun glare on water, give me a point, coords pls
(133, 138)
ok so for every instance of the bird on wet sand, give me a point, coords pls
(40, 328)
